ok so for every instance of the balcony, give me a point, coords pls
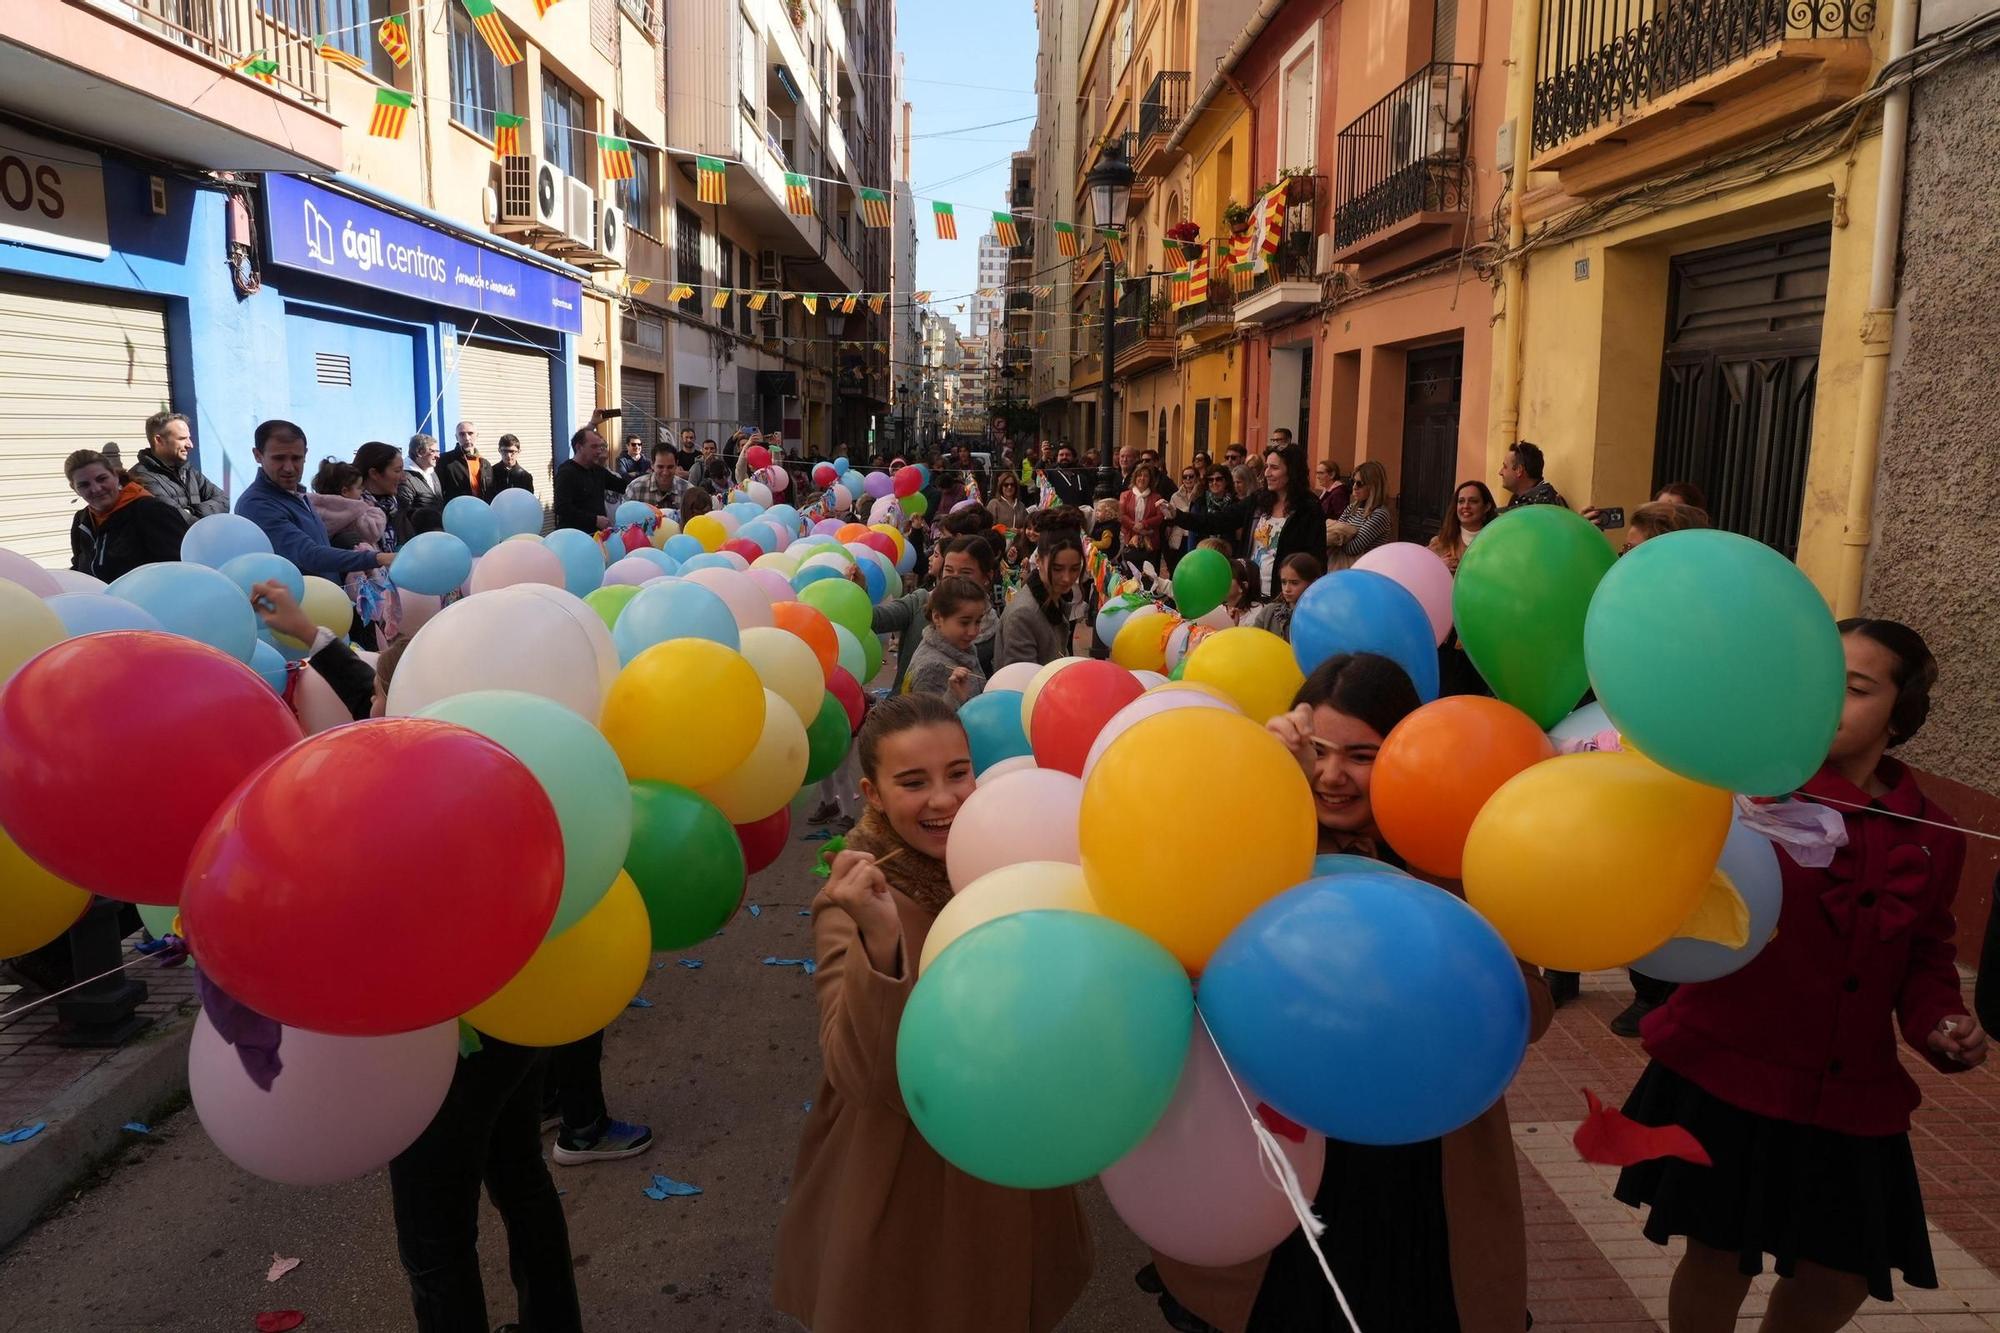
(156, 76)
(1145, 329)
(1216, 308)
(1404, 190)
(1626, 87)
(1160, 114)
(1289, 284)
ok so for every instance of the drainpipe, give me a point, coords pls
(1878, 325)
(1526, 45)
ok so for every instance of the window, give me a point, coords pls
(563, 121)
(1296, 130)
(725, 266)
(349, 26)
(639, 197)
(480, 85)
(687, 255)
(749, 62)
(746, 279)
(1121, 51)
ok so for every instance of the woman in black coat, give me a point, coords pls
(121, 525)
(1216, 512)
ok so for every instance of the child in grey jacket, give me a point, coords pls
(945, 663)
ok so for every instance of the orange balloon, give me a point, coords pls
(850, 532)
(1436, 770)
(810, 624)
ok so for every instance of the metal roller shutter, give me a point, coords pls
(639, 396)
(586, 393)
(504, 390)
(75, 372)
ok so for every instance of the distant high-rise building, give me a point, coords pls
(992, 278)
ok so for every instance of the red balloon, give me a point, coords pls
(842, 685)
(764, 840)
(322, 901)
(744, 547)
(76, 720)
(907, 481)
(756, 456)
(1073, 707)
(824, 475)
(879, 541)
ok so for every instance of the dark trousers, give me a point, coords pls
(489, 1129)
(575, 1083)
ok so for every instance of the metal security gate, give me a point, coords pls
(639, 398)
(503, 389)
(1738, 380)
(1431, 377)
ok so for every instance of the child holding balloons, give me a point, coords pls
(944, 663)
(1786, 1071)
(880, 1232)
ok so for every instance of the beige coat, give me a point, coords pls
(881, 1234)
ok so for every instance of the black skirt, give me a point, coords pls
(1385, 1240)
(1844, 1201)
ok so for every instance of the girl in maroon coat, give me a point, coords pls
(1787, 1071)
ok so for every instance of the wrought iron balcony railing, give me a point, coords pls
(1217, 296)
(232, 31)
(1406, 154)
(1165, 103)
(1602, 59)
(1298, 233)
(1144, 314)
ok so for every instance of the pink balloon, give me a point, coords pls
(735, 559)
(1422, 574)
(777, 479)
(759, 493)
(1141, 708)
(1027, 816)
(730, 523)
(513, 562)
(340, 1108)
(1195, 1189)
(1020, 763)
(316, 706)
(749, 605)
(17, 568)
(1016, 677)
(774, 585)
(828, 526)
(417, 610)
(841, 498)
(632, 571)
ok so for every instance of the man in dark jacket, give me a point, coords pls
(422, 491)
(508, 474)
(275, 501)
(164, 467)
(583, 481)
(460, 471)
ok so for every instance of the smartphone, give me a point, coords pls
(1609, 517)
(605, 414)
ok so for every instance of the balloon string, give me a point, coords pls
(1897, 814)
(1278, 1171)
(57, 995)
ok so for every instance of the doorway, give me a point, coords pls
(1430, 438)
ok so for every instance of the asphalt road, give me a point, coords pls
(175, 1237)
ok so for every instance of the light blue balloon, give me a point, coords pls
(707, 560)
(470, 519)
(635, 514)
(269, 663)
(516, 512)
(840, 466)
(217, 539)
(98, 612)
(433, 563)
(1346, 863)
(765, 535)
(261, 567)
(745, 510)
(660, 559)
(582, 560)
(682, 547)
(1752, 866)
(787, 520)
(287, 653)
(196, 601)
(673, 609)
(992, 724)
(811, 574)
(1360, 611)
(906, 557)
(892, 582)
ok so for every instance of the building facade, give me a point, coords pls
(1059, 35)
(988, 298)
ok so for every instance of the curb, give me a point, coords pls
(86, 1122)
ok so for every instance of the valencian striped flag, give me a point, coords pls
(875, 303)
(616, 155)
(1114, 243)
(507, 135)
(711, 181)
(847, 306)
(721, 299)
(494, 29)
(1004, 228)
(392, 110)
(921, 298)
(757, 300)
(798, 195)
(945, 221)
(874, 208)
(542, 7)
(334, 55)
(259, 67)
(394, 38)
(810, 302)
(1066, 242)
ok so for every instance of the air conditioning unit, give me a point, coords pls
(770, 272)
(767, 326)
(1445, 114)
(1406, 125)
(581, 220)
(610, 240)
(531, 193)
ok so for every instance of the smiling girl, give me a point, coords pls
(944, 663)
(881, 1233)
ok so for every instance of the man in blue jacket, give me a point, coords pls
(275, 501)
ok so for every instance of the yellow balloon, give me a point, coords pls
(708, 530)
(685, 711)
(1236, 843)
(1141, 644)
(787, 666)
(894, 534)
(785, 564)
(1042, 678)
(767, 780)
(26, 627)
(1254, 667)
(664, 531)
(1588, 861)
(35, 906)
(325, 603)
(578, 981)
(1028, 886)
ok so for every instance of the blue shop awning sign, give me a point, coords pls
(322, 231)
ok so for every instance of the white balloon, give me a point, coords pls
(1025, 816)
(1020, 763)
(68, 580)
(1016, 677)
(526, 637)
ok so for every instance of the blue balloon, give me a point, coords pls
(1345, 863)
(1752, 866)
(745, 510)
(906, 557)
(666, 563)
(264, 639)
(840, 466)
(682, 547)
(269, 663)
(635, 514)
(1359, 611)
(871, 575)
(582, 559)
(766, 535)
(433, 563)
(992, 724)
(786, 519)
(96, 612)
(517, 513)
(673, 609)
(216, 539)
(196, 601)
(1319, 1000)
(259, 567)
(813, 574)
(470, 519)
(707, 560)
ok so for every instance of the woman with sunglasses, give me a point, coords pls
(1216, 512)
(1179, 542)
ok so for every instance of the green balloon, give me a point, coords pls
(1040, 1048)
(159, 920)
(915, 505)
(827, 738)
(1719, 660)
(1519, 601)
(871, 653)
(1180, 667)
(609, 601)
(687, 861)
(577, 768)
(842, 602)
(852, 657)
(1201, 581)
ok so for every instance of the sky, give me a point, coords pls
(964, 65)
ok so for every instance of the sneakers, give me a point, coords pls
(1627, 1022)
(609, 1140)
(824, 813)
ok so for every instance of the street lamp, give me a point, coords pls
(1110, 184)
(836, 324)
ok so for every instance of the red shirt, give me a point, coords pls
(1806, 1032)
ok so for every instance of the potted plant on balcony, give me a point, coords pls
(1236, 215)
(1186, 235)
(1298, 185)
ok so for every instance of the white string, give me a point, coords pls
(1897, 814)
(134, 961)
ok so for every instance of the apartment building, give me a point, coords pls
(1059, 35)
(988, 298)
